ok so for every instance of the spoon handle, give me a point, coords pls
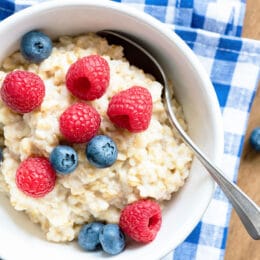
(247, 210)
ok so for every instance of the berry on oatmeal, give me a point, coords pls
(22, 91)
(112, 239)
(255, 139)
(88, 78)
(79, 123)
(141, 220)
(88, 238)
(36, 46)
(88, 194)
(64, 159)
(131, 109)
(35, 177)
(101, 151)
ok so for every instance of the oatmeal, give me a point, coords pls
(150, 164)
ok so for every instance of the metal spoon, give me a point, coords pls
(246, 209)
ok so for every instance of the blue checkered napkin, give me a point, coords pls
(233, 66)
(8, 7)
(221, 16)
(209, 28)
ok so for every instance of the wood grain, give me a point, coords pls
(240, 246)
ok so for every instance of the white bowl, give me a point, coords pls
(24, 240)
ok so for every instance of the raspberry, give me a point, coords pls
(131, 109)
(79, 123)
(35, 177)
(141, 220)
(22, 91)
(88, 78)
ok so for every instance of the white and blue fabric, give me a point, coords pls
(212, 29)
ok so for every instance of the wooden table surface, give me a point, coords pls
(239, 245)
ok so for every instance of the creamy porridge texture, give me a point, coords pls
(151, 164)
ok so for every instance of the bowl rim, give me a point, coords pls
(162, 29)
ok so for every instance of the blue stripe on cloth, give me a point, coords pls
(219, 16)
(224, 238)
(222, 71)
(223, 52)
(183, 16)
(156, 2)
(230, 43)
(197, 21)
(194, 235)
(185, 3)
(239, 30)
(251, 100)
(186, 251)
(240, 98)
(156, 11)
(222, 91)
(6, 9)
(186, 35)
(232, 144)
(250, 51)
(211, 235)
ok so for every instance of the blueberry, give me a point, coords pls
(101, 151)
(64, 159)
(112, 239)
(255, 139)
(36, 46)
(88, 238)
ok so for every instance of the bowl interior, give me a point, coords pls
(193, 90)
